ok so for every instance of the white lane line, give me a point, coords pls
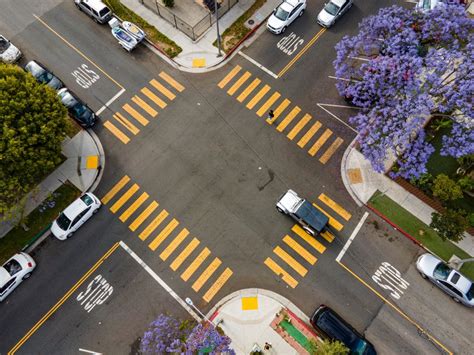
(333, 115)
(343, 79)
(360, 58)
(253, 61)
(90, 352)
(107, 104)
(344, 106)
(354, 233)
(160, 281)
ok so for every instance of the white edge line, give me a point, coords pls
(107, 104)
(359, 58)
(90, 352)
(353, 235)
(253, 61)
(343, 106)
(337, 118)
(160, 281)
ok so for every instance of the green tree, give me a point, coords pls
(327, 347)
(168, 3)
(32, 126)
(446, 189)
(449, 225)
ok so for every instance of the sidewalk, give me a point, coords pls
(362, 182)
(83, 167)
(246, 316)
(201, 55)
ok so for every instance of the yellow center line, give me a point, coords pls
(78, 51)
(63, 299)
(305, 48)
(394, 307)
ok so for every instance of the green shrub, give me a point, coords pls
(168, 3)
(446, 189)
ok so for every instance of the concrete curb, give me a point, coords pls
(101, 166)
(345, 180)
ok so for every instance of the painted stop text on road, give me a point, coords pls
(389, 278)
(289, 44)
(96, 293)
(84, 76)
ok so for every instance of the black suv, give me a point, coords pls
(331, 326)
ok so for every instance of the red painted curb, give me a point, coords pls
(214, 315)
(385, 218)
(303, 323)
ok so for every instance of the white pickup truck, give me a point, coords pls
(309, 217)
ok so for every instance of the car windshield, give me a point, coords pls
(281, 14)
(63, 222)
(331, 8)
(4, 44)
(80, 111)
(44, 77)
(441, 271)
(104, 11)
(12, 267)
(470, 293)
(87, 200)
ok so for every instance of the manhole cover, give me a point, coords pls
(251, 22)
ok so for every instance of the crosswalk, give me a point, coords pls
(298, 250)
(162, 232)
(299, 127)
(143, 107)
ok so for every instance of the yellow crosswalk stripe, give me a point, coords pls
(116, 132)
(171, 81)
(158, 86)
(266, 106)
(330, 151)
(134, 206)
(251, 104)
(124, 198)
(144, 215)
(285, 103)
(163, 234)
(287, 120)
(174, 244)
(135, 114)
(152, 226)
(305, 254)
(184, 254)
(308, 238)
(332, 221)
(335, 206)
(229, 76)
(243, 95)
(216, 286)
(154, 98)
(126, 123)
(328, 236)
(300, 269)
(239, 83)
(114, 190)
(277, 269)
(319, 143)
(308, 135)
(145, 107)
(195, 264)
(206, 274)
(299, 126)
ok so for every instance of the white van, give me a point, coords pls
(95, 9)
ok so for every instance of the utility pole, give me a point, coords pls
(217, 26)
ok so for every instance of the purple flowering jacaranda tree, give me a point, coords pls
(164, 335)
(401, 68)
(205, 339)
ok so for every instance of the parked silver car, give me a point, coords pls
(8, 52)
(17, 269)
(459, 287)
(332, 11)
(285, 14)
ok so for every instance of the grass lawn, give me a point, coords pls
(37, 221)
(232, 35)
(158, 38)
(420, 231)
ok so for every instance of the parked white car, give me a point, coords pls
(285, 14)
(8, 52)
(332, 11)
(18, 268)
(75, 215)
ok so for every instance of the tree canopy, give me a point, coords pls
(414, 64)
(32, 126)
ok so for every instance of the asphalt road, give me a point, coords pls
(209, 163)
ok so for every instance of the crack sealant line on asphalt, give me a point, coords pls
(353, 235)
(160, 281)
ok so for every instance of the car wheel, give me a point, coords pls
(283, 29)
(456, 300)
(423, 275)
(69, 235)
(301, 13)
(309, 231)
(96, 210)
(27, 276)
(77, 5)
(280, 210)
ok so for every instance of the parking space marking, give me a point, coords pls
(309, 134)
(248, 90)
(239, 83)
(157, 85)
(124, 198)
(171, 81)
(135, 114)
(191, 269)
(229, 76)
(217, 285)
(277, 269)
(145, 107)
(206, 274)
(165, 232)
(287, 258)
(115, 189)
(174, 244)
(144, 215)
(293, 244)
(63, 299)
(335, 207)
(134, 206)
(154, 223)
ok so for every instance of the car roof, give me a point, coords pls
(339, 2)
(334, 326)
(75, 208)
(4, 276)
(461, 282)
(69, 98)
(289, 198)
(35, 66)
(96, 4)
